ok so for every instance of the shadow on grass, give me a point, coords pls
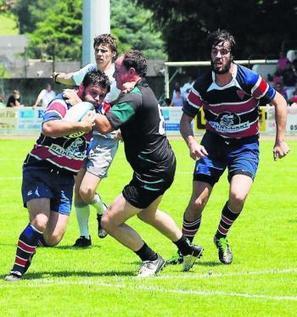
(65, 274)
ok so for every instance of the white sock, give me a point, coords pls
(98, 204)
(82, 215)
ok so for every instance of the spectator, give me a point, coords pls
(177, 100)
(2, 104)
(289, 79)
(280, 88)
(282, 62)
(293, 99)
(14, 100)
(45, 96)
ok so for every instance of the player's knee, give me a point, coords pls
(40, 222)
(237, 199)
(107, 223)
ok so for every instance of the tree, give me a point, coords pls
(260, 26)
(59, 34)
(56, 29)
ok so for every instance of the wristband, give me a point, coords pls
(55, 78)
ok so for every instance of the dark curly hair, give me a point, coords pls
(218, 36)
(136, 60)
(96, 78)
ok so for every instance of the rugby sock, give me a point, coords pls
(82, 215)
(26, 248)
(190, 228)
(184, 245)
(98, 204)
(146, 253)
(42, 242)
(227, 219)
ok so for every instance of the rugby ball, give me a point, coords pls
(77, 112)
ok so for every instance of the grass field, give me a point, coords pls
(100, 281)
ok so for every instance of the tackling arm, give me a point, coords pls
(102, 124)
(64, 78)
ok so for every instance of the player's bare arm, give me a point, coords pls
(280, 148)
(196, 150)
(102, 124)
(63, 78)
(58, 128)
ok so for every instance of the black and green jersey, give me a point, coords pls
(139, 117)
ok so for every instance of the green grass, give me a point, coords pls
(8, 25)
(99, 281)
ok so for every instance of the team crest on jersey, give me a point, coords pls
(228, 122)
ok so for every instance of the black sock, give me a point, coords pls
(27, 244)
(146, 253)
(227, 219)
(184, 245)
(42, 242)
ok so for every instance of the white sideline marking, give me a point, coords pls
(47, 283)
(211, 274)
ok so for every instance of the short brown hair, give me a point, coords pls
(136, 60)
(107, 39)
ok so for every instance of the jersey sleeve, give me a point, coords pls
(124, 109)
(56, 110)
(262, 90)
(193, 102)
(79, 75)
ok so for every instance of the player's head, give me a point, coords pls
(130, 67)
(94, 87)
(105, 50)
(222, 45)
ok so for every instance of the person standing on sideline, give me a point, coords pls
(14, 100)
(148, 151)
(230, 95)
(102, 148)
(49, 169)
(45, 96)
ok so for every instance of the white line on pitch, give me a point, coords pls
(211, 274)
(47, 283)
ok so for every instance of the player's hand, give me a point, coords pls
(197, 151)
(87, 122)
(71, 96)
(280, 150)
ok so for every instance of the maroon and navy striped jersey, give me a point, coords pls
(64, 152)
(232, 110)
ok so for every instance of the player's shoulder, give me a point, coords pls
(203, 80)
(246, 75)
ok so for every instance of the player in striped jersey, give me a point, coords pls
(230, 95)
(49, 169)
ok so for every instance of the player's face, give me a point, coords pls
(94, 94)
(103, 56)
(221, 58)
(121, 73)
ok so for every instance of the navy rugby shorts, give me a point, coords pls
(239, 156)
(52, 183)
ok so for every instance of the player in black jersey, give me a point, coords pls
(148, 151)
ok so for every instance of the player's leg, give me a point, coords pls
(39, 210)
(55, 228)
(82, 210)
(243, 163)
(101, 155)
(164, 223)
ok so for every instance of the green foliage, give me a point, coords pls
(261, 27)
(132, 26)
(59, 34)
(100, 281)
(56, 28)
(8, 24)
